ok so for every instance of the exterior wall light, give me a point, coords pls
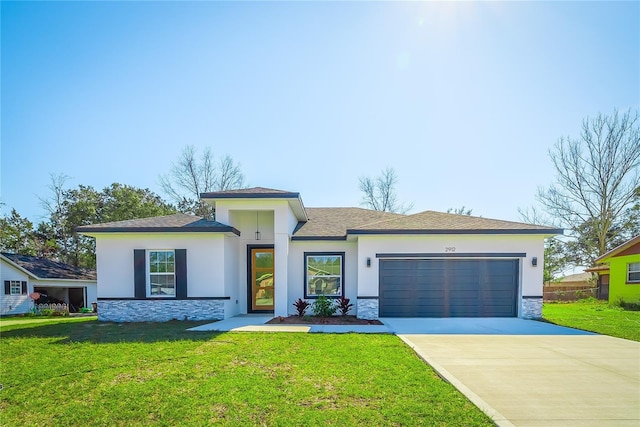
(368, 262)
(257, 227)
(534, 261)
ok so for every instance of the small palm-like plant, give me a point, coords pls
(344, 305)
(301, 306)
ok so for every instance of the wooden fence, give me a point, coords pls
(569, 293)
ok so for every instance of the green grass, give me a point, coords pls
(595, 316)
(83, 372)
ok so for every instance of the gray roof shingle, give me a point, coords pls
(169, 223)
(334, 222)
(431, 222)
(44, 268)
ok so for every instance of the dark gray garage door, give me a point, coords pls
(448, 287)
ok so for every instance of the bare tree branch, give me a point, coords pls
(191, 175)
(596, 179)
(379, 194)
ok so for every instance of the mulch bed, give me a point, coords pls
(315, 320)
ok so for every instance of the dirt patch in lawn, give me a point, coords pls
(315, 320)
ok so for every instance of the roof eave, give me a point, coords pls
(53, 279)
(615, 251)
(297, 208)
(19, 267)
(250, 196)
(311, 238)
(546, 232)
(91, 231)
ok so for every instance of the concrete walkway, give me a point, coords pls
(490, 326)
(541, 380)
(474, 326)
(253, 323)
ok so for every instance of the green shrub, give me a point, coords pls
(629, 305)
(323, 307)
(46, 312)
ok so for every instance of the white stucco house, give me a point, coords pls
(265, 250)
(24, 274)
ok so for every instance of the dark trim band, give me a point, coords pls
(368, 297)
(318, 237)
(455, 255)
(531, 297)
(224, 229)
(550, 231)
(163, 299)
(250, 196)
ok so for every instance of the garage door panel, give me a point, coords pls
(448, 288)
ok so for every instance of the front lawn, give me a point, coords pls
(83, 372)
(595, 316)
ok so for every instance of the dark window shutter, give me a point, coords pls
(140, 273)
(181, 273)
(24, 288)
(7, 287)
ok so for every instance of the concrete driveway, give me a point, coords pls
(540, 380)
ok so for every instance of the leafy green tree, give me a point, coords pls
(17, 234)
(121, 202)
(84, 205)
(555, 259)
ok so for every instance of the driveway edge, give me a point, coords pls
(497, 417)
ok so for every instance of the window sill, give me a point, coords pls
(326, 296)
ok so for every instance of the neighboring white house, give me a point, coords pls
(24, 274)
(265, 250)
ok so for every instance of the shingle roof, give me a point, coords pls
(430, 222)
(169, 223)
(334, 222)
(254, 192)
(615, 251)
(44, 268)
(585, 276)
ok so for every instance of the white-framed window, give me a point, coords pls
(633, 272)
(324, 274)
(15, 287)
(162, 276)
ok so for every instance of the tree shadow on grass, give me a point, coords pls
(107, 332)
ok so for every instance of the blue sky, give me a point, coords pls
(462, 99)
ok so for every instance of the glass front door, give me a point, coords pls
(262, 279)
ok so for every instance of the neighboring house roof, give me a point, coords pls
(333, 223)
(249, 193)
(583, 277)
(43, 268)
(600, 269)
(175, 223)
(430, 222)
(621, 250)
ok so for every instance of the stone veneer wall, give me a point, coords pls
(159, 310)
(367, 309)
(532, 308)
